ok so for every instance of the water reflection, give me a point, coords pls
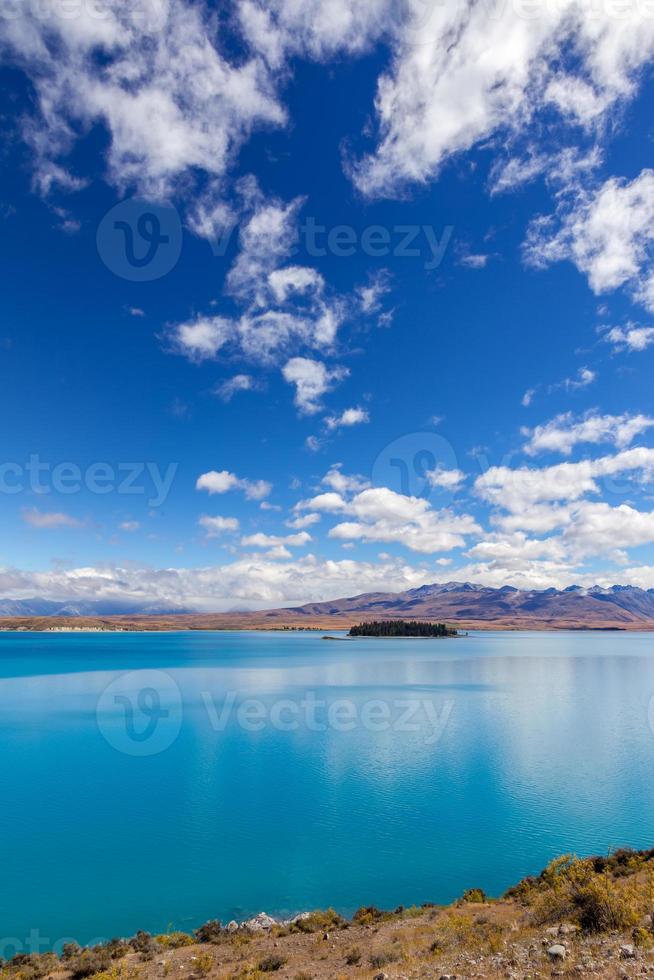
(542, 745)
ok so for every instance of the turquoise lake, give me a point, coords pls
(152, 780)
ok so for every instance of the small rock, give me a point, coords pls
(380, 976)
(260, 923)
(553, 932)
(557, 953)
(628, 952)
(567, 929)
(232, 926)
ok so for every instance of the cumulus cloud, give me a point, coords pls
(215, 526)
(154, 74)
(317, 29)
(223, 481)
(287, 312)
(607, 232)
(521, 489)
(49, 520)
(462, 73)
(585, 376)
(630, 338)
(597, 528)
(566, 431)
(383, 515)
(312, 380)
(301, 521)
(226, 389)
(129, 526)
(260, 540)
(347, 418)
(445, 479)
(517, 546)
(342, 482)
(554, 499)
(250, 582)
(285, 308)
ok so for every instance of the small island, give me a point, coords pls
(402, 627)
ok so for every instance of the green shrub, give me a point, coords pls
(319, 922)
(369, 914)
(474, 895)
(69, 950)
(353, 956)
(271, 963)
(383, 958)
(117, 948)
(210, 932)
(88, 962)
(145, 944)
(174, 940)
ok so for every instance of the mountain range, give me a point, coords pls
(462, 604)
(465, 603)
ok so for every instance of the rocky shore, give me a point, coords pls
(578, 918)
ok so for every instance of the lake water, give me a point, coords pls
(152, 780)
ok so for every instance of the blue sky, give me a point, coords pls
(300, 302)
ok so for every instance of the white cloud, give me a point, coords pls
(223, 481)
(252, 581)
(383, 515)
(584, 377)
(312, 380)
(331, 502)
(445, 479)
(286, 311)
(596, 528)
(152, 73)
(474, 260)
(317, 29)
(231, 386)
(348, 417)
(294, 279)
(203, 338)
(631, 337)
(278, 553)
(344, 482)
(129, 526)
(215, 526)
(371, 295)
(260, 540)
(462, 73)
(517, 546)
(607, 233)
(564, 432)
(302, 521)
(50, 520)
(519, 490)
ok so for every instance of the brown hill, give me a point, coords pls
(462, 604)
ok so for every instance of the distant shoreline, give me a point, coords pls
(239, 627)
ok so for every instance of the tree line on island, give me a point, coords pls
(401, 627)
